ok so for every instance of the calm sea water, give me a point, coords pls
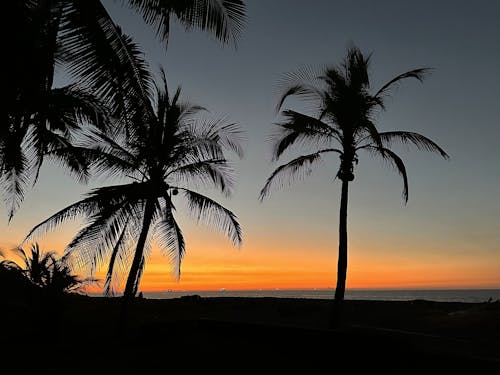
(447, 295)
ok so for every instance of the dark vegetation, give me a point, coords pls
(236, 334)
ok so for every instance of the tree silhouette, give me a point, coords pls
(166, 149)
(47, 271)
(81, 37)
(343, 126)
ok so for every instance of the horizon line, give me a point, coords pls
(223, 290)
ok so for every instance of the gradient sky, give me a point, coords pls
(447, 236)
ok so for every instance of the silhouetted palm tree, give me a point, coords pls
(168, 150)
(47, 271)
(344, 126)
(81, 36)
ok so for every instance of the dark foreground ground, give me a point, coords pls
(250, 335)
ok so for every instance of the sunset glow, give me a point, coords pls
(212, 269)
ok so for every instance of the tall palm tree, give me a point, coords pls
(81, 37)
(344, 125)
(167, 152)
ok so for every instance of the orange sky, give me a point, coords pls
(214, 265)
(297, 259)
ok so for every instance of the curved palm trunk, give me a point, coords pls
(130, 287)
(342, 260)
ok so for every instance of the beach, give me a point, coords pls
(238, 335)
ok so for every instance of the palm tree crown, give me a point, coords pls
(166, 151)
(344, 123)
(47, 271)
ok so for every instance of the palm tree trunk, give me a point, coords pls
(342, 260)
(130, 287)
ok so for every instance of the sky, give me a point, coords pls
(446, 236)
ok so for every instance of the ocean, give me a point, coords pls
(443, 295)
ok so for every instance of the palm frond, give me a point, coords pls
(225, 19)
(296, 169)
(418, 74)
(96, 200)
(298, 127)
(69, 106)
(110, 273)
(212, 213)
(71, 212)
(213, 172)
(397, 163)
(107, 157)
(169, 237)
(37, 141)
(213, 136)
(302, 83)
(373, 133)
(14, 178)
(356, 69)
(77, 160)
(105, 58)
(92, 244)
(420, 141)
(19, 251)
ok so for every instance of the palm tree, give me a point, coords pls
(166, 153)
(82, 37)
(344, 126)
(47, 271)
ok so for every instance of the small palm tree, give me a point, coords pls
(343, 126)
(166, 153)
(47, 271)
